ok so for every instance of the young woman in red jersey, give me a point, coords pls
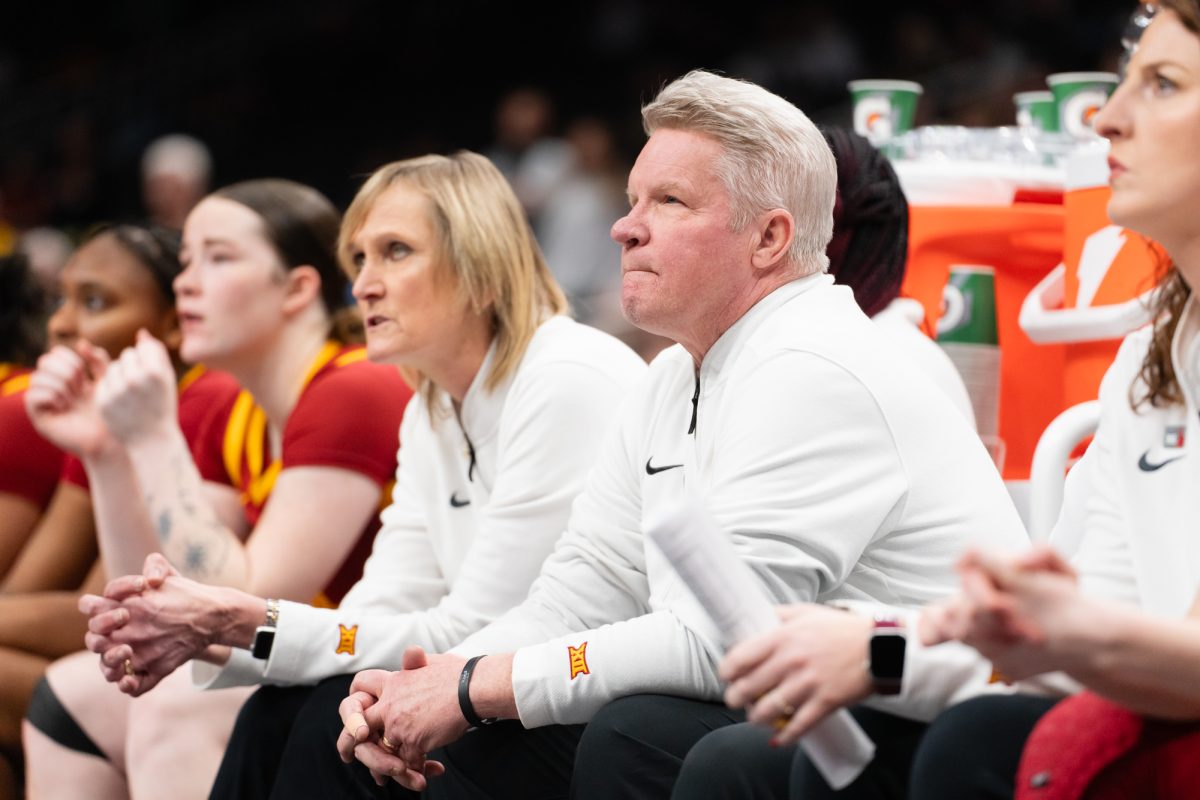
(29, 465)
(117, 282)
(259, 297)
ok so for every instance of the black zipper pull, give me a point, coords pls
(695, 405)
(471, 450)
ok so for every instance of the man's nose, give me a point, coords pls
(629, 231)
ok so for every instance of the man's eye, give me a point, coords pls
(670, 199)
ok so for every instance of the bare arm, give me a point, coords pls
(47, 624)
(62, 548)
(312, 520)
(1026, 614)
(149, 498)
(18, 518)
(1148, 664)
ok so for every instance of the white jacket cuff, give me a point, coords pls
(242, 669)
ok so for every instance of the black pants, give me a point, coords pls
(635, 746)
(652, 746)
(972, 750)
(501, 761)
(739, 763)
(262, 733)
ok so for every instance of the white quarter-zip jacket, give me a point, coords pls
(1131, 506)
(837, 474)
(478, 504)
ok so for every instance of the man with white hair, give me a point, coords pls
(835, 475)
(176, 171)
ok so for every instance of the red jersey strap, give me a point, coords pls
(13, 378)
(190, 377)
(324, 357)
(246, 432)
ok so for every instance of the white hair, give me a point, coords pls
(774, 156)
(178, 154)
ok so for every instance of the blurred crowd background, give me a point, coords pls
(324, 92)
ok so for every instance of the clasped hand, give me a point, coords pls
(80, 400)
(393, 719)
(145, 626)
(1012, 609)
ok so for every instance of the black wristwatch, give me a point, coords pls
(264, 635)
(885, 657)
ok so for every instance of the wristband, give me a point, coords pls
(464, 695)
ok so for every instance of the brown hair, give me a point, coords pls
(1172, 293)
(302, 226)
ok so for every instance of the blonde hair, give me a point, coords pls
(774, 156)
(487, 248)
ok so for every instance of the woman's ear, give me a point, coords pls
(169, 332)
(303, 286)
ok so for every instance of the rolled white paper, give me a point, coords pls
(739, 607)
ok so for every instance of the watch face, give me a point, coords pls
(887, 656)
(264, 638)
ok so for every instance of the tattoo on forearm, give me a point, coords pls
(194, 558)
(205, 558)
(188, 530)
(182, 476)
(163, 525)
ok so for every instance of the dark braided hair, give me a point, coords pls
(154, 246)
(869, 247)
(23, 311)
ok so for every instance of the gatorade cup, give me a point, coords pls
(967, 332)
(883, 108)
(1079, 95)
(1036, 111)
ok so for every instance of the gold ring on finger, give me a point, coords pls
(387, 745)
(128, 665)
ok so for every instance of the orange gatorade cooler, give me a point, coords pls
(1098, 293)
(1004, 220)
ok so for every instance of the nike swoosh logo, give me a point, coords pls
(655, 470)
(1145, 465)
(454, 501)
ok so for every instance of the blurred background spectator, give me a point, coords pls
(176, 171)
(551, 93)
(47, 250)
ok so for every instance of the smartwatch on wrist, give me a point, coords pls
(264, 635)
(885, 656)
